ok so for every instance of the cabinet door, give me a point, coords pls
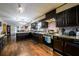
(71, 17)
(64, 19)
(71, 49)
(67, 18)
(59, 19)
(67, 48)
(51, 14)
(77, 15)
(58, 44)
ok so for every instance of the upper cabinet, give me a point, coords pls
(60, 19)
(69, 17)
(66, 18)
(77, 15)
(51, 14)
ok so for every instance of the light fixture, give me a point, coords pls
(22, 22)
(20, 8)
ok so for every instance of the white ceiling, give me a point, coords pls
(9, 12)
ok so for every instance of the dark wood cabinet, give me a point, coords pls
(71, 49)
(77, 15)
(51, 14)
(22, 36)
(58, 44)
(61, 19)
(37, 37)
(66, 46)
(68, 17)
(2, 43)
(71, 17)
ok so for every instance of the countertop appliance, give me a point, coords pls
(72, 33)
(77, 33)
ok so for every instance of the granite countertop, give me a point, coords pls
(66, 36)
(22, 32)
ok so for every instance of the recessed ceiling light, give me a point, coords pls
(22, 23)
(22, 19)
(20, 8)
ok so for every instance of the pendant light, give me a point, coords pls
(20, 9)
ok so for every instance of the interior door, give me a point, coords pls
(8, 30)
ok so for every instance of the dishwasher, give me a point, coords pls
(48, 41)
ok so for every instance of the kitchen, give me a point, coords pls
(56, 30)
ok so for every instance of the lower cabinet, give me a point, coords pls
(66, 46)
(71, 49)
(2, 43)
(37, 37)
(58, 44)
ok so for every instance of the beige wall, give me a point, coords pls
(4, 29)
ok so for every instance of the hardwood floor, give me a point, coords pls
(27, 48)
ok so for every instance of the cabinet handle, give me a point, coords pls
(62, 44)
(65, 44)
(66, 21)
(63, 21)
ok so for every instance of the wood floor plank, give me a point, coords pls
(27, 48)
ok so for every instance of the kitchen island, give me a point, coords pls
(24, 36)
(21, 36)
(46, 39)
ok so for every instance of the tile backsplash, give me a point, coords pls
(68, 29)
